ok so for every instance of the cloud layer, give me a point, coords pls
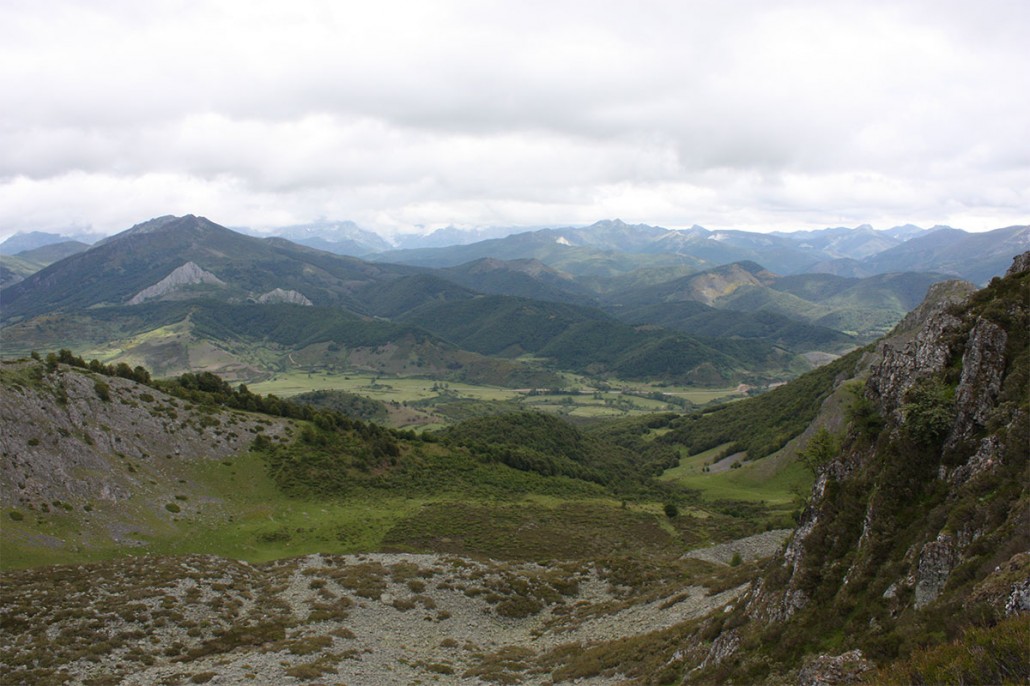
(751, 115)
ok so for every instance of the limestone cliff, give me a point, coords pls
(189, 274)
(278, 295)
(920, 527)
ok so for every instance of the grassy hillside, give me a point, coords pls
(364, 480)
(759, 426)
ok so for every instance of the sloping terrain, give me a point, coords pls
(612, 246)
(118, 268)
(368, 619)
(521, 278)
(588, 340)
(916, 531)
(183, 294)
(94, 462)
(866, 308)
(974, 256)
(15, 267)
(910, 563)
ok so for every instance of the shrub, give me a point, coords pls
(821, 448)
(929, 412)
(671, 511)
(993, 655)
(103, 390)
(519, 607)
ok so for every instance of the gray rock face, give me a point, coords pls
(187, 275)
(923, 346)
(936, 561)
(918, 349)
(983, 365)
(1020, 264)
(1018, 601)
(722, 647)
(278, 295)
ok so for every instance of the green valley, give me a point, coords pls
(377, 471)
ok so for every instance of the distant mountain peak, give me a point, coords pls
(163, 224)
(27, 241)
(31, 240)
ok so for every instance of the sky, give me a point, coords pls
(408, 116)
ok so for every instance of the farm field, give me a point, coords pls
(436, 400)
(772, 481)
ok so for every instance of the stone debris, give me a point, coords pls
(754, 547)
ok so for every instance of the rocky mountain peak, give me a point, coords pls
(188, 274)
(290, 297)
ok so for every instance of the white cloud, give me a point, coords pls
(748, 114)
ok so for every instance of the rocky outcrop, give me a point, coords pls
(983, 366)
(722, 648)
(188, 274)
(75, 437)
(902, 511)
(918, 348)
(750, 548)
(936, 561)
(278, 295)
(1020, 264)
(836, 670)
(1018, 601)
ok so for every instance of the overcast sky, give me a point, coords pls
(397, 115)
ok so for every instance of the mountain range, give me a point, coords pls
(611, 247)
(858, 252)
(612, 299)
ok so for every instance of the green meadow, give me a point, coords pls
(580, 397)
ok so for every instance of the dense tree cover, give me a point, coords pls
(707, 322)
(548, 445)
(330, 457)
(650, 457)
(763, 424)
(531, 441)
(621, 460)
(350, 404)
(295, 326)
(585, 339)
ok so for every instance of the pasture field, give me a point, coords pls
(580, 398)
(382, 388)
(775, 481)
